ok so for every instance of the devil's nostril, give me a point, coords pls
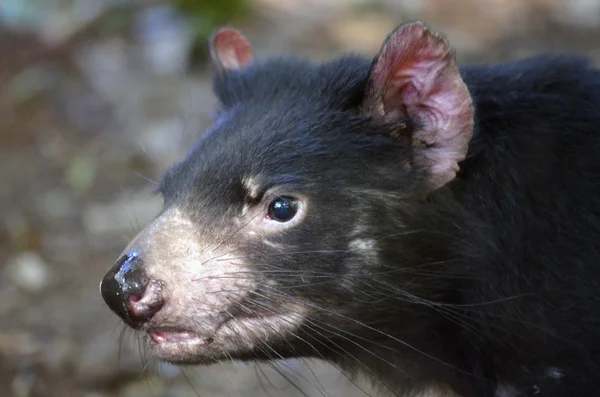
(142, 308)
(135, 298)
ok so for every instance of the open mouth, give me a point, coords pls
(240, 334)
(183, 336)
(161, 337)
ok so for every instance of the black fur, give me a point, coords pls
(492, 280)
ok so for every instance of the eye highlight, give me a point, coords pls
(283, 209)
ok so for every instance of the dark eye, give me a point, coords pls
(282, 209)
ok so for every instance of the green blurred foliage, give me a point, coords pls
(204, 16)
(207, 15)
(81, 173)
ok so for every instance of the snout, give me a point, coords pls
(130, 293)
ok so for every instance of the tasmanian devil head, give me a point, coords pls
(287, 228)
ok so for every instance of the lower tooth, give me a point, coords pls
(159, 337)
(162, 337)
(179, 337)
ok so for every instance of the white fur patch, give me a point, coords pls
(272, 244)
(357, 231)
(506, 391)
(360, 244)
(436, 392)
(245, 210)
(252, 185)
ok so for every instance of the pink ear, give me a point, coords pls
(229, 50)
(415, 76)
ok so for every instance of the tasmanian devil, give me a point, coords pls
(435, 227)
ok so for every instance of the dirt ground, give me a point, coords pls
(83, 138)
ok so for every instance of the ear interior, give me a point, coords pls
(229, 50)
(415, 76)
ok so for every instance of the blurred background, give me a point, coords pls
(97, 97)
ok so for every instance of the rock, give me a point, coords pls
(23, 383)
(55, 205)
(18, 344)
(29, 271)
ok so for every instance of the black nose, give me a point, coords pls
(129, 293)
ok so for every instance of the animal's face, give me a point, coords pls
(274, 224)
(249, 248)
